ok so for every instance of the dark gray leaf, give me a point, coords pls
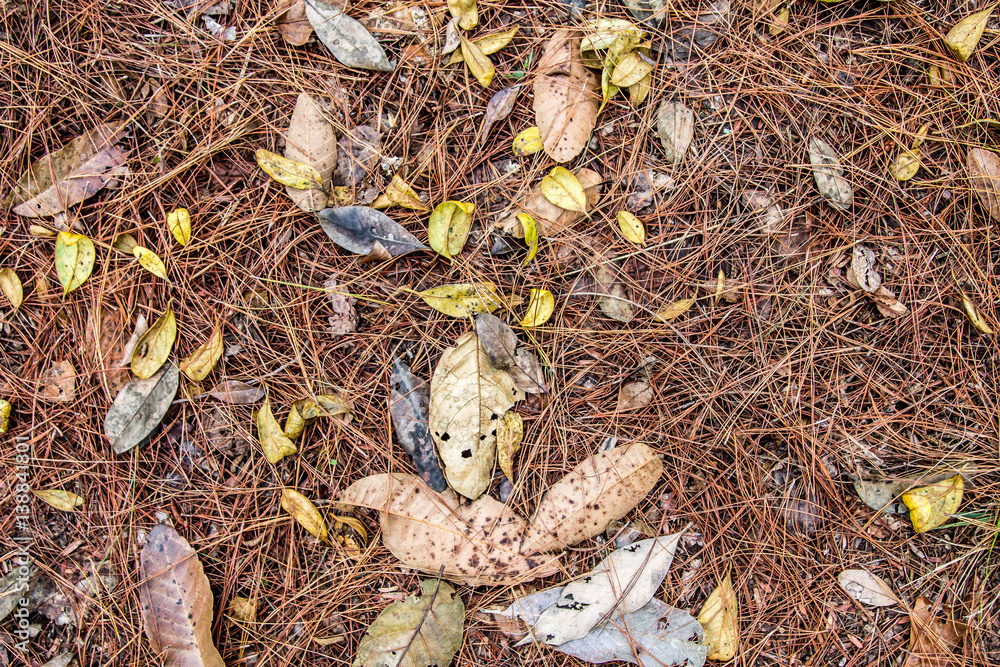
(139, 408)
(500, 343)
(237, 393)
(357, 228)
(11, 590)
(499, 107)
(347, 40)
(409, 398)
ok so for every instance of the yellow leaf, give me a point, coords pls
(179, 224)
(973, 312)
(303, 511)
(124, 243)
(601, 33)
(779, 21)
(488, 44)
(243, 610)
(75, 256)
(306, 410)
(40, 232)
(4, 415)
(10, 285)
(638, 92)
(930, 505)
(608, 89)
(466, 13)
(463, 299)
(563, 189)
(631, 69)
(964, 37)
(632, 228)
(449, 227)
(720, 618)
(150, 261)
(674, 310)
(288, 172)
(530, 227)
(154, 347)
(402, 194)
(200, 363)
(906, 165)
(510, 432)
(479, 64)
(275, 444)
(540, 307)
(720, 286)
(356, 525)
(67, 501)
(527, 142)
(939, 77)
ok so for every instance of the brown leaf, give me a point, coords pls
(566, 97)
(984, 172)
(176, 602)
(500, 343)
(603, 487)
(634, 396)
(616, 303)
(550, 218)
(344, 319)
(310, 140)
(58, 383)
(476, 543)
(292, 22)
(932, 639)
(236, 392)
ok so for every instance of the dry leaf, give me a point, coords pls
(600, 489)
(65, 501)
(563, 189)
(634, 396)
(672, 311)
(358, 228)
(540, 307)
(292, 22)
(243, 610)
(720, 618)
(829, 175)
(550, 218)
(932, 639)
(866, 588)
(5, 409)
(931, 505)
(862, 273)
(962, 39)
(500, 344)
(124, 243)
(527, 142)
(510, 432)
(179, 224)
(150, 261)
(476, 543)
(345, 318)
(75, 257)
(409, 400)
(675, 127)
(488, 44)
(466, 13)
(200, 363)
(632, 227)
(273, 440)
(289, 173)
(468, 396)
(399, 193)
(359, 152)
(981, 325)
(881, 495)
(11, 287)
(449, 226)
(58, 383)
(566, 97)
(984, 172)
(237, 393)
(478, 62)
(345, 38)
(176, 602)
(906, 165)
(139, 408)
(601, 33)
(614, 301)
(310, 140)
(530, 228)
(499, 107)
(631, 69)
(462, 300)
(155, 345)
(307, 410)
(304, 512)
(940, 77)
(887, 303)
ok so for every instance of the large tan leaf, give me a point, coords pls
(468, 397)
(550, 218)
(176, 602)
(476, 543)
(566, 97)
(604, 487)
(984, 172)
(932, 639)
(310, 140)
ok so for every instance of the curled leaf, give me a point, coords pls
(601, 33)
(527, 142)
(272, 439)
(720, 618)
(463, 299)
(150, 261)
(179, 224)
(200, 363)
(501, 345)
(541, 304)
(449, 227)
(499, 107)
(10, 285)
(466, 13)
(305, 411)
(632, 227)
(982, 326)
(963, 38)
(304, 512)
(931, 505)
(564, 190)
(155, 345)
(488, 44)
(479, 63)
(829, 175)
(400, 193)
(530, 228)
(631, 69)
(288, 172)
(510, 432)
(673, 310)
(75, 257)
(906, 165)
(940, 77)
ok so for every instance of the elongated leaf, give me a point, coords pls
(139, 408)
(346, 39)
(449, 226)
(289, 173)
(311, 141)
(409, 401)
(540, 308)
(463, 299)
(601, 33)
(359, 228)
(972, 311)
(499, 107)
(415, 632)
(155, 345)
(124, 243)
(237, 393)
(866, 588)
(614, 302)
(632, 227)
(176, 601)
(200, 363)
(500, 344)
(984, 172)
(304, 512)
(273, 441)
(478, 62)
(307, 410)
(566, 98)
(10, 285)
(672, 311)
(5, 408)
(828, 174)
(150, 261)
(675, 126)
(179, 224)
(720, 618)
(75, 256)
(62, 500)
(510, 432)
(488, 44)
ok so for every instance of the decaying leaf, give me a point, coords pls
(416, 632)
(65, 501)
(476, 543)
(176, 602)
(179, 224)
(200, 363)
(881, 495)
(307, 410)
(242, 610)
(541, 304)
(932, 639)
(634, 396)
(940, 76)
(566, 97)
(862, 273)
(289, 173)
(972, 311)
(527, 142)
(499, 107)
(358, 228)
(409, 401)
(466, 13)
(462, 300)
(58, 383)
(866, 588)
(931, 505)
(75, 256)
(829, 175)
(155, 345)
(292, 22)
(887, 303)
(550, 218)
(449, 227)
(345, 318)
(139, 408)
(510, 432)
(601, 33)
(672, 311)
(360, 151)
(563, 189)
(963, 38)
(236, 392)
(346, 39)
(399, 193)
(478, 62)
(675, 127)
(984, 172)
(720, 618)
(11, 287)
(468, 396)
(632, 227)
(5, 408)
(488, 44)
(304, 512)
(631, 69)
(273, 441)
(310, 140)
(150, 261)
(614, 301)
(500, 344)
(530, 228)
(600, 489)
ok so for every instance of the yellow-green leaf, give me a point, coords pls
(40, 232)
(563, 189)
(974, 316)
(66, 501)
(179, 224)
(75, 256)
(4, 415)
(631, 69)
(272, 439)
(155, 345)
(488, 44)
(306, 410)
(720, 618)
(906, 165)
(479, 64)
(930, 505)
(303, 511)
(463, 299)
(530, 226)
(289, 172)
(540, 307)
(402, 194)
(527, 142)
(466, 13)
(510, 432)
(632, 227)
(964, 37)
(125, 243)
(200, 363)
(602, 33)
(150, 261)
(10, 285)
(449, 227)
(608, 89)
(673, 310)
(638, 92)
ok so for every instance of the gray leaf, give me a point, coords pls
(357, 228)
(882, 495)
(139, 408)
(499, 107)
(675, 125)
(409, 398)
(347, 40)
(237, 393)
(650, 12)
(500, 343)
(828, 173)
(615, 302)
